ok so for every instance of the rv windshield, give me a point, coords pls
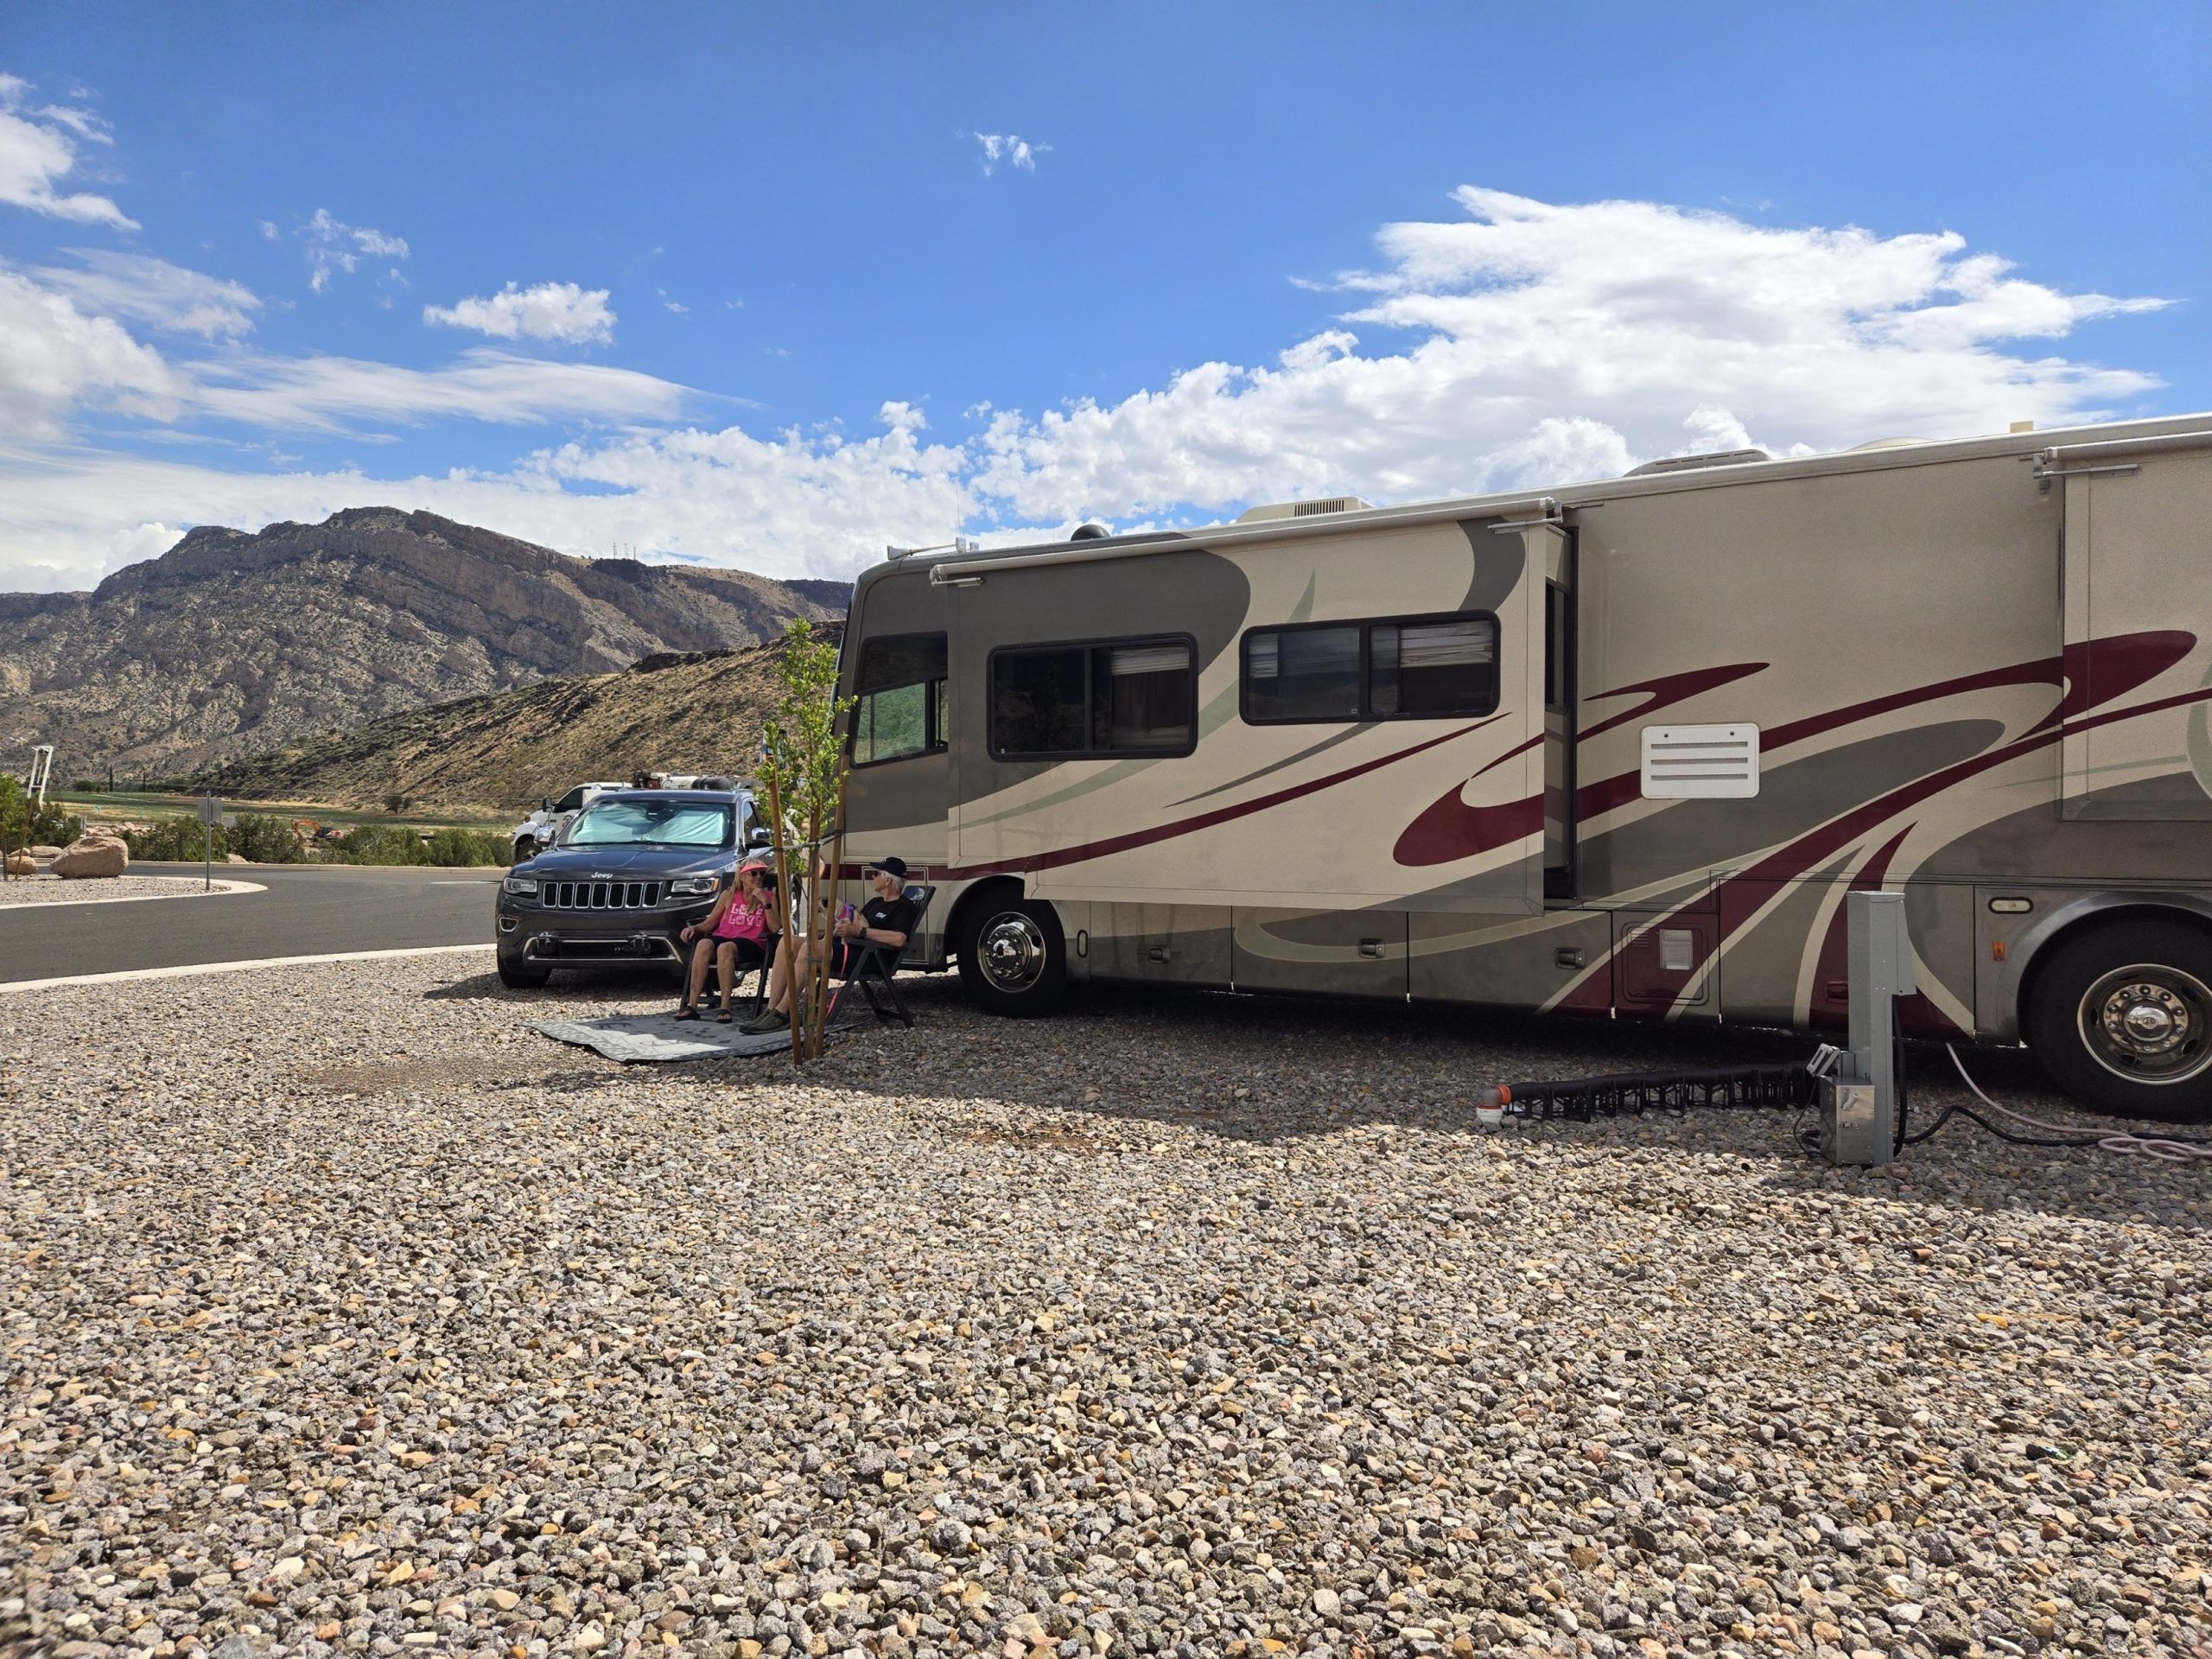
(652, 824)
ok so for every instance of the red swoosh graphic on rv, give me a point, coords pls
(1789, 862)
(1449, 829)
(2115, 666)
(1592, 993)
(1123, 843)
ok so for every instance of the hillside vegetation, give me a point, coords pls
(684, 712)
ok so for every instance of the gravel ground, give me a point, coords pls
(52, 890)
(344, 1314)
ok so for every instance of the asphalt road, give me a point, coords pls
(306, 911)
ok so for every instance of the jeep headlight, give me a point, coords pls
(693, 887)
(527, 884)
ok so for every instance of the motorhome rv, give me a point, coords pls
(1614, 749)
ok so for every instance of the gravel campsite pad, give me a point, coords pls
(51, 890)
(344, 1314)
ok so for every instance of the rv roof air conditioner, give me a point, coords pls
(1692, 463)
(1090, 532)
(1302, 508)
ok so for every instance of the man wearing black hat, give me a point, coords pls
(885, 920)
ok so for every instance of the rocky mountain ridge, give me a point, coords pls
(235, 642)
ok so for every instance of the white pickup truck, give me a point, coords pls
(537, 831)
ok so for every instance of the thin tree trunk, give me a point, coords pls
(820, 1035)
(784, 942)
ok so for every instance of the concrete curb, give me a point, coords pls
(216, 892)
(189, 970)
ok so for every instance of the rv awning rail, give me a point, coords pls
(2113, 455)
(962, 572)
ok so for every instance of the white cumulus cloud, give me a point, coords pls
(1011, 148)
(55, 361)
(334, 246)
(38, 149)
(1529, 342)
(562, 311)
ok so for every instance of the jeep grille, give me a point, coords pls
(600, 895)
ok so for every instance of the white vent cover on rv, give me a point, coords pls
(1302, 508)
(1693, 762)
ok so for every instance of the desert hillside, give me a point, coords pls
(689, 711)
(233, 642)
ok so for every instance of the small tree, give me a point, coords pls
(802, 770)
(15, 820)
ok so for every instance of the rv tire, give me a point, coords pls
(1014, 958)
(2121, 1018)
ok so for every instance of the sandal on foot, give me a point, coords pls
(722, 1019)
(687, 1011)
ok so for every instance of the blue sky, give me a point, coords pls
(779, 299)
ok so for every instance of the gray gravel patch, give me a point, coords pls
(1170, 1325)
(52, 890)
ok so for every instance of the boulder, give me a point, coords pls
(44, 852)
(92, 853)
(22, 864)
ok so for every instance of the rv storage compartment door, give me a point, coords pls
(1665, 967)
(2138, 541)
(1180, 945)
(1346, 952)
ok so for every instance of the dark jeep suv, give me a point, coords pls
(627, 874)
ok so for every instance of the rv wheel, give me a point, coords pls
(1015, 959)
(2122, 1017)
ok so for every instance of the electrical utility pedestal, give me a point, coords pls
(1858, 1089)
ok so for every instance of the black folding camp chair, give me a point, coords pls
(876, 967)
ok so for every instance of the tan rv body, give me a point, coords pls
(1979, 673)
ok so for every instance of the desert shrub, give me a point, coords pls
(451, 848)
(264, 838)
(14, 814)
(54, 825)
(178, 840)
(377, 843)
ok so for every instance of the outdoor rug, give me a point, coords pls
(647, 1037)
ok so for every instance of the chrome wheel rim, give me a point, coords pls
(2149, 1023)
(1010, 950)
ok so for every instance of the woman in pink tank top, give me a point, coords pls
(739, 934)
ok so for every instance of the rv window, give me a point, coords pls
(1036, 701)
(1302, 674)
(1141, 697)
(1429, 667)
(890, 725)
(1133, 698)
(901, 710)
(1432, 668)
